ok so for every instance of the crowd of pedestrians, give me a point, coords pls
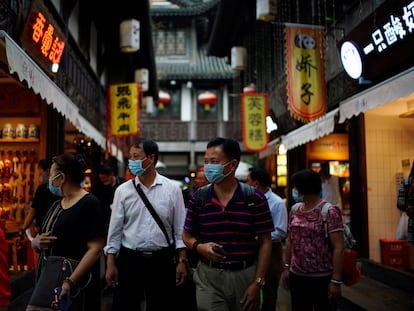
(153, 248)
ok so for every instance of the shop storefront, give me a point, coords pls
(389, 153)
(373, 127)
(33, 117)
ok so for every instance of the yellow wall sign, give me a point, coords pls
(254, 112)
(124, 108)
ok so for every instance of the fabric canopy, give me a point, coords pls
(242, 170)
(398, 86)
(28, 71)
(311, 131)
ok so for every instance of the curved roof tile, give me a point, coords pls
(205, 68)
(186, 8)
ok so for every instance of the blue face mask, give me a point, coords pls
(135, 166)
(214, 172)
(296, 197)
(55, 190)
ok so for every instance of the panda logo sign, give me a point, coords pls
(305, 42)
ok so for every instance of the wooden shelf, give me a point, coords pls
(19, 140)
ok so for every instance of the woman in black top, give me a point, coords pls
(74, 227)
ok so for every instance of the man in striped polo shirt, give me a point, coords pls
(231, 233)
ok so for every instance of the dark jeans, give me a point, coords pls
(142, 277)
(310, 293)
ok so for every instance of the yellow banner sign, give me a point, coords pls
(254, 112)
(306, 71)
(123, 109)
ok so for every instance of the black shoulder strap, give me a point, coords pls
(201, 196)
(249, 194)
(152, 211)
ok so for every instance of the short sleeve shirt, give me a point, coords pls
(310, 250)
(234, 226)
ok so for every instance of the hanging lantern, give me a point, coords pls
(142, 77)
(238, 58)
(163, 99)
(129, 36)
(266, 10)
(207, 99)
(249, 89)
(148, 102)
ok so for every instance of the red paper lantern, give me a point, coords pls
(207, 99)
(249, 89)
(163, 99)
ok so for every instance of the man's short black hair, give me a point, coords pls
(260, 175)
(106, 169)
(231, 147)
(45, 164)
(149, 146)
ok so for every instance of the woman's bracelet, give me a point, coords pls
(336, 282)
(70, 281)
(286, 266)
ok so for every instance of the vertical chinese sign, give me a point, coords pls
(123, 113)
(254, 111)
(42, 38)
(306, 71)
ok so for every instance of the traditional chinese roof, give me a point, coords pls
(183, 7)
(204, 68)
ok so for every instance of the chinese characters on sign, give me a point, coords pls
(42, 38)
(254, 111)
(123, 111)
(51, 45)
(395, 29)
(306, 71)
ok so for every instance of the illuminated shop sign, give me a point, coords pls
(381, 43)
(396, 28)
(42, 38)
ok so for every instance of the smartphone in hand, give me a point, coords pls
(65, 303)
(219, 250)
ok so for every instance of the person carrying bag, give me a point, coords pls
(70, 243)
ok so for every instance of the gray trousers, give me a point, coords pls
(221, 290)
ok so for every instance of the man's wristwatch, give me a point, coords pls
(260, 281)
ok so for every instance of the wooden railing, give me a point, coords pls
(171, 130)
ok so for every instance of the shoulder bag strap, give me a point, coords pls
(152, 211)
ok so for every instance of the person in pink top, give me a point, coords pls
(313, 258)
(5, 291)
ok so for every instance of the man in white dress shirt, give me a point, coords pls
(140, 264)
(331, 187)
(260, 179)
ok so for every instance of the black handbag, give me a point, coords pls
(54, 270)
(157, 220)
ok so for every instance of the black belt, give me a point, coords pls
(229, 265)
(149, 254)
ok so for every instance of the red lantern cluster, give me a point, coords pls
(163, 99)
(207, 99)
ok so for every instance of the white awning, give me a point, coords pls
(27, 70)
(311, 131)
(398, 86)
